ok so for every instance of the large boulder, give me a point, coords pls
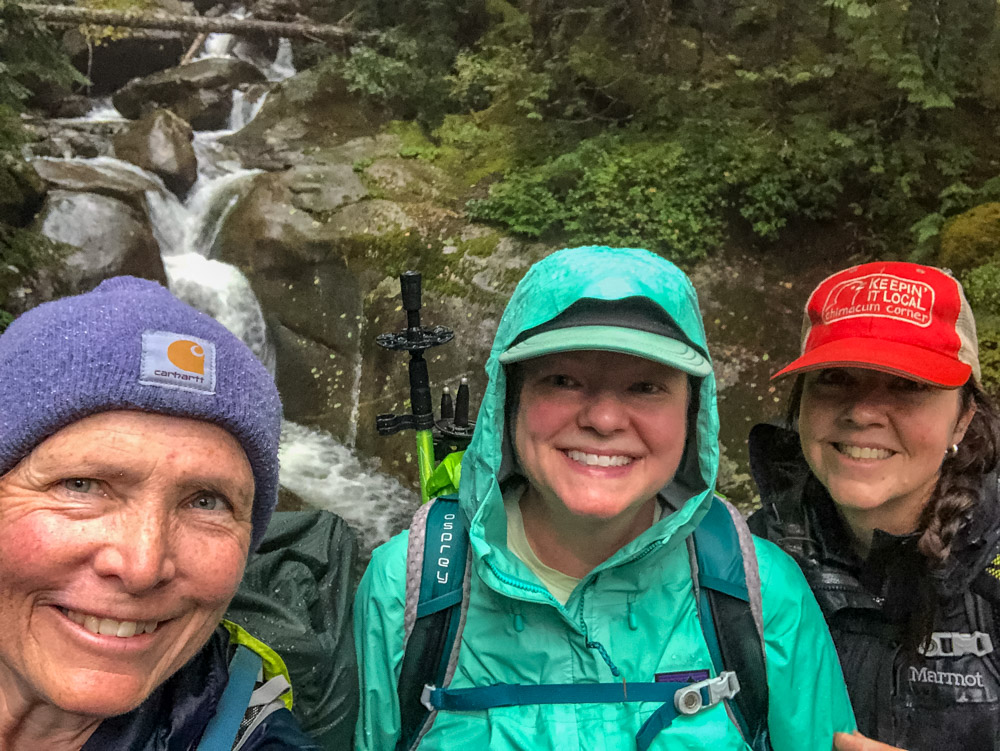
(304, 114)
(199, 92)
(105, 177)
(323, 258)
(161, 143)
(112, 236)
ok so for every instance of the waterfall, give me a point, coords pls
(282, 67)
(223, 292)
(244, 110)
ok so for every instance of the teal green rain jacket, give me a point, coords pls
(635, 611)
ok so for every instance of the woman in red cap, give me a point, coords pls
(885, 491)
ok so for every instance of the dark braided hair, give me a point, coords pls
(958, 488)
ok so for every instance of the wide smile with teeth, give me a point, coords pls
(862, 452)
(599, 460)
(109, 627)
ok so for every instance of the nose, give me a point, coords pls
(137, 550)
(604, 413)
(866, 406)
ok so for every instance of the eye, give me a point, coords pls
(560, 380)
(908, 386)
(645, 387)
(831, 377)
(79, 484)
(210, 502)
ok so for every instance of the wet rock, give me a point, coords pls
(321, 189)
(161, 143)
(200, 92)
(70, 138)
(310, 111)
(113, 238)
(406, 179)
(103, 177)
(318, 382)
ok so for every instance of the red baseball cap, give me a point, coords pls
(900, 318)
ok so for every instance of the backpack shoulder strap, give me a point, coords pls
(437, 587)
(727, 588)
(224, 726)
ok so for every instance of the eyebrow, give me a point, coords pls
(97, 468)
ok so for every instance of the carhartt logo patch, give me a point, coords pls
(177, 361)
(881, 296)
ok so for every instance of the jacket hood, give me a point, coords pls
(549, 288)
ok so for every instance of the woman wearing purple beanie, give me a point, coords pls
(138, 470)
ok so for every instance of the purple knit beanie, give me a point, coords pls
(130, 344)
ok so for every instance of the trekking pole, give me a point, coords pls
(415, 339)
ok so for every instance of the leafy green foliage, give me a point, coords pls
(662, 122)
(29, 57)
(982, 288)
(613, 191)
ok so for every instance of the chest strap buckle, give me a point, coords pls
(692, 699)
(954, 644)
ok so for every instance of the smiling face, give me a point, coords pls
(877, 441)
(599, 433)
(123, 538)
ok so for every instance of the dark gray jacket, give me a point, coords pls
(945, 697)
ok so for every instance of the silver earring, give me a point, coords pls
(953, 450)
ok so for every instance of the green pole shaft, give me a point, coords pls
(425, 461)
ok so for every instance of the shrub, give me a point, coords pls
(971, 239)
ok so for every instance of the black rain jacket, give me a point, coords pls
(945, 696)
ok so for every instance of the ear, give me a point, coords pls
(963, 423)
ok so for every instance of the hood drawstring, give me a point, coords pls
(630, 616)
(518, 618)
(591, 644)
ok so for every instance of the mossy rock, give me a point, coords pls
(971, 239)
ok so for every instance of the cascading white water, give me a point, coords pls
(328, 475)
(223, 292)
(282, 67)
(244, 110)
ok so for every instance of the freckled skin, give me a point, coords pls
(600, 403)
(916, 422)
(128, 515)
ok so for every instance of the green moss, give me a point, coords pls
(971, 239)
(481, 247)
(414, 143)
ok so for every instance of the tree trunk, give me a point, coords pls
(59, 14)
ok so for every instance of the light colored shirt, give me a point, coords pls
(560, 585)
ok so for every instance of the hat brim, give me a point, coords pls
(897, 358)
(644, 344)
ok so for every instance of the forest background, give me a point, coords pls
(656, 123)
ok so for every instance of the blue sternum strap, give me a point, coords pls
(677, 698)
